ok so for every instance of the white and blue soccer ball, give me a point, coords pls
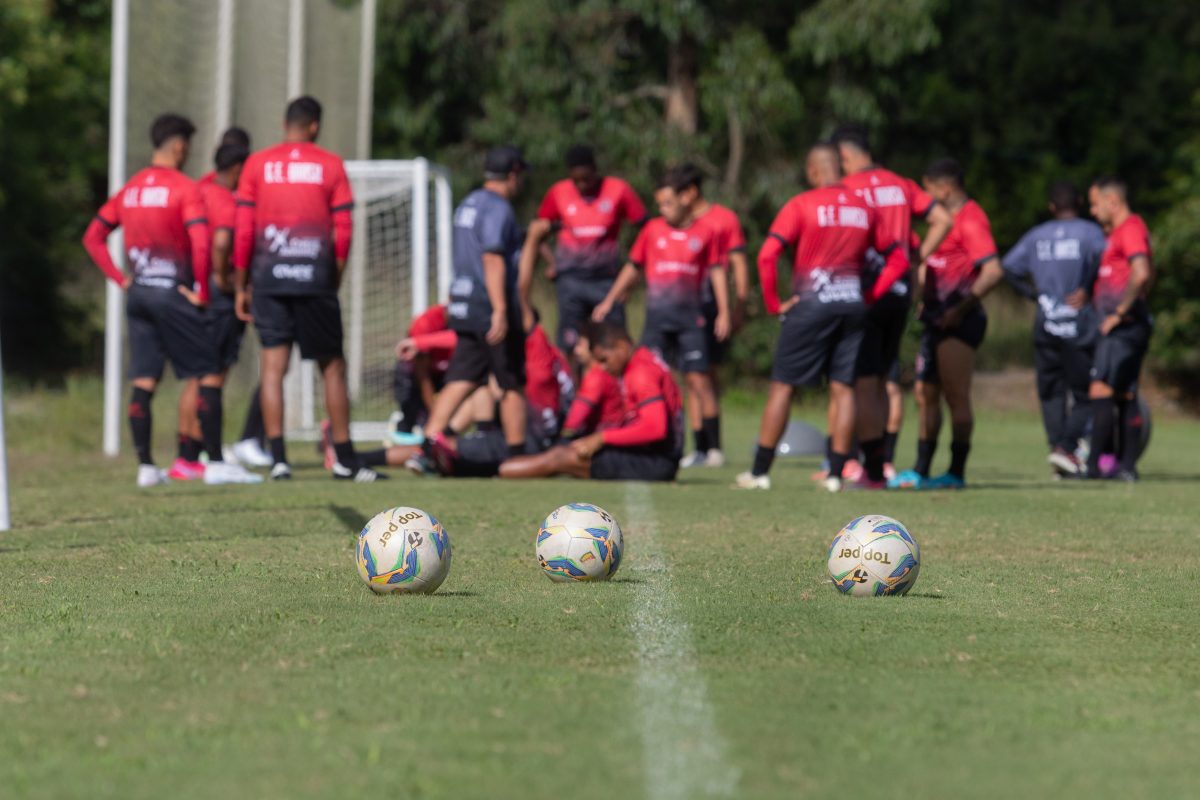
(873, 556)
(403, 550)
(579, 542)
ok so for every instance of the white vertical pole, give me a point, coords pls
(366, 81)
(358, 292)
(114, 297)
(223, 95)
(301, 375)
(420, 236)
(295, 62)
(444, 210)
(5, 516)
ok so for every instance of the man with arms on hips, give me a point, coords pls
(1055, 264)
(292, 240)
(829, 229)
(167, 244)
(584, 212)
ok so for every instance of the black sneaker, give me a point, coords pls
(360, 475)
(1126, 476)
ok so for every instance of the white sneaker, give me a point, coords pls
(715, 458)
(748, 480)
(832, 484)
(150, 475)
(360, 475)
(249, 453)
(220, 472)
(693, 459)
(281, 472)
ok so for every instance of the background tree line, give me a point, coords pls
(1022, 92)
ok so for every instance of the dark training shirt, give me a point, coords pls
(1057, 258)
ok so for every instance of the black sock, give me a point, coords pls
(958, 459)
(837, 462)
(828, 448)
(889, 447)
(701, 438)
(1103, 413)
(1131, 438)
(278, 451)
(449, 432)
(517, 449)
(373, 458)
(186, 448)
(140, 420)
(345, 454)
(925, 451)
(253, 429)
(208, 408)
(873, 459)
(711, 427)
(763, 457)
(196, 446)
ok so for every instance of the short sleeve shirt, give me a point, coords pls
(728, 237)
(221, 209)
(896, 200)
(675, 263)
(433, 320)
(483, 223)
(155, 209)
(1059, 257)
(1129, 239)
(588, 226)
(956, 262)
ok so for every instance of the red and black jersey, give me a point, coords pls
(548, 384)
(588, 226)
(675, 263)
(897, 201)
(654, 409)
(220, 206)
(1129, 239)
(293, 221)
(434, 320)
(956, 262)
(829, 230)
(728, 237)
(166, 233)
(598, 404)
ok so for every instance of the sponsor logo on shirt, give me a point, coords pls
(829, 288)
(676, 268)
(280, 242)
(302, 273)
(605, 206)
(306, 172)
(152, 270)
(588, 231)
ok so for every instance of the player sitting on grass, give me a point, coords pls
(647, 446)
(422, 358)
(598, 404)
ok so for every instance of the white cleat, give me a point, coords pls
(747, 480)
(832, 484)
(360, 475)
(249, 453)
(218, 472)
(281, 472)
(150, 475)
(715, 458)
(227, 455)
(693, 459)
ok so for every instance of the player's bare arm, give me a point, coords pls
(525, 271)
(990, 275)
(1140, 275)
(222, 250)
(940, 222)
(621, 287)
(493, 278)
(722, 326)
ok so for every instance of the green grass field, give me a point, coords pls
(201, 642)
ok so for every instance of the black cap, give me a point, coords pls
(503, 160)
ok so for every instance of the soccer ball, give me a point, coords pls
(874, 555)
(403, 550)
(579, 542)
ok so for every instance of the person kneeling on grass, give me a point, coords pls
(647, 446)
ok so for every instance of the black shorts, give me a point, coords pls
(1119, 355)
(633, 464)
(226, 331)
(883, 331)
(970, 332)
(312, 321)
(819, 340)
(576, 298)
(684, 349)
(716, 348)
(474, 359)
(164, 326)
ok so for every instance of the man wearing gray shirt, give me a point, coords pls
(1055, 264)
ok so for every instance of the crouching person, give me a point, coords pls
(647, 446)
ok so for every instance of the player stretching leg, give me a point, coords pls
(293, 232)
(1126, 273)
(1055, 264)
(829, 229)
(679, 255)
(954, 280)
(166, 241)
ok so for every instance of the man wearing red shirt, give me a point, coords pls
(954, 280)
(598, 403)
(292, 240)
(167, 244)
(646, 447)
(1125, 276)
(829, 229)
(898, 201)
(584, 212)
(422, 358)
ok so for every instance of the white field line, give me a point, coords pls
(683, 752)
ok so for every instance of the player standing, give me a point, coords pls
(1125, 276)
(167, 244)
(584, 212)
(1061, 258)
(954, 280)
(679, 256)
(829, 228)
(730, 244)
(292, 240)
